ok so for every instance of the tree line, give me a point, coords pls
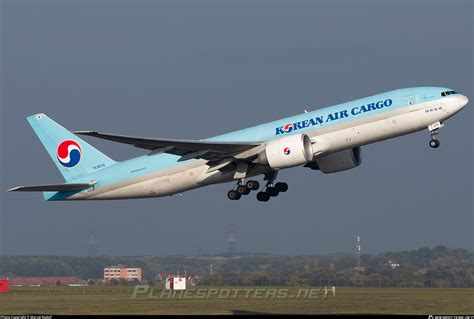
(425, 267)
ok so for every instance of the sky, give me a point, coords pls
(195, 69)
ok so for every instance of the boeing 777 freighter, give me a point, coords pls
(327, 139)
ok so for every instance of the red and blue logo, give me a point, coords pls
(69, 153)
(286, 151)
(288, 127)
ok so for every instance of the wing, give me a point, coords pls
(53, 187)
(187, 149)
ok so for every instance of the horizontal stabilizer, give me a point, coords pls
(53, 187)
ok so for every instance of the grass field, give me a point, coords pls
(235, 300)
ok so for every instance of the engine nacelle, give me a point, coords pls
(338, 161)
(288, 151)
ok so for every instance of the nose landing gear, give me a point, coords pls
(433, 128)
(434, 143)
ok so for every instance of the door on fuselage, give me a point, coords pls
(412, 99)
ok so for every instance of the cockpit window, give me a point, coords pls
(446, 93)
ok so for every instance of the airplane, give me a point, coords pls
(327, 139)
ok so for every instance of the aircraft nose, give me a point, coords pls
(461, 101)
(458, 102)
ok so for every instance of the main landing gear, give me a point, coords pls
(243, 189)
(433, 128)
(270, 190)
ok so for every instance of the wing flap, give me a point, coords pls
(53, 187)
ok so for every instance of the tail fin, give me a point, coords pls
(72, 156)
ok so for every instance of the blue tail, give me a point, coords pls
(72, 156)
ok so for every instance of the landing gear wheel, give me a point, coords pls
(281, 187)
(233, 195)
(434, 128)
(253, 185)
(243, 190)
(263, 196)
(434, 143)
(272, 191)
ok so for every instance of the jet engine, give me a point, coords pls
(337, 161)
(288, 151)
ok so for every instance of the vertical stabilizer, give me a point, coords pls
(72, 156)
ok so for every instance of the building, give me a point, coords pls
(120, 272)
(175, 282)
(391, 264)
(44, 281)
